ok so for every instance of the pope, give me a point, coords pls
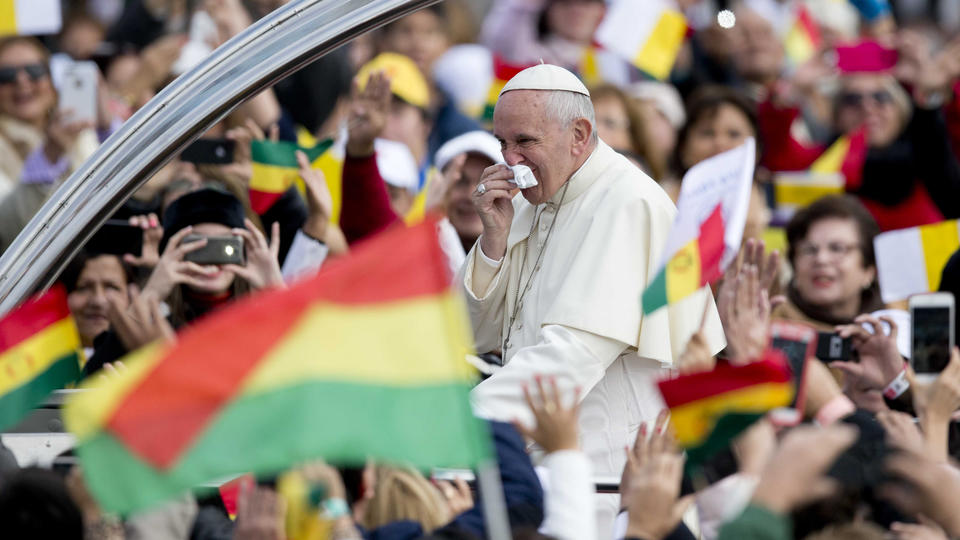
(554, 281)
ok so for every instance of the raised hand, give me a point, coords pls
(368, 114)
(171, 270)
(141, 322)
(152, 234)
(556, 424)
(319, 200)
(263, 267)
(744, 303)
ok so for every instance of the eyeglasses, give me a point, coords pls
(856, 99)
(835, 250)
(36, 72)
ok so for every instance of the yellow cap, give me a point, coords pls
(406, 81)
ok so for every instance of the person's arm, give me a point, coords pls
(781, 151)
(575, 358)
(510, 30)
(365, 209)
(305, 257)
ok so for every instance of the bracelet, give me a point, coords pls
(334, 508)
(897, 386)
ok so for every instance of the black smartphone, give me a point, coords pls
(209, 151)
(219, 250)
(116, 237)
(831, 347)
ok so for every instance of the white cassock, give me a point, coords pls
(580, 320)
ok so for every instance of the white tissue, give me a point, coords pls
(523, 177)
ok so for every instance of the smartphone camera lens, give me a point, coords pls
(228, 250)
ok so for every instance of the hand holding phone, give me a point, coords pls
(878, 358)
(218, 250)
(78, 93)
(931, 337)
(209, 151)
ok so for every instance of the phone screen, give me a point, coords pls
(796, 353)
(931, 339)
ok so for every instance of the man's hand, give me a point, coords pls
(556, 427)
(319, 200)
(368, 114)
(880, 360)
(494, 203)
(141, 322)
(794, 475)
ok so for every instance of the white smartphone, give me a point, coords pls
(78, 92)
(931, 333)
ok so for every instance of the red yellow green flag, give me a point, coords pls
(503, 71)
(40, 352)
(710, 408)
(275, 169)
(365, 360)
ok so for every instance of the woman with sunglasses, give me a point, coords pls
(38, 147)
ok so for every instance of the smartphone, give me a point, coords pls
(78, 92)
(931, 333)
(219, 250)
(831, 347)
(866, 56)
(116, 237)
(798, 343)
(209, 151)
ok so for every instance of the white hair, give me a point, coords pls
(568, 107)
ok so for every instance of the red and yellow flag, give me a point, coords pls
(503, 71)
(364, 360)
(40, 352)
(803, 38)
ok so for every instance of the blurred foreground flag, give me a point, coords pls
(706, 234)
(366, 360)
(709, 409)
(275, 169)
(910, 261)
(647, 33)
(30, 17)
(39, 352)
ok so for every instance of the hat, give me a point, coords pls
(546, 77)
(477, 142)
(465, 74)
(397, 165)
(406, 80)
(664, 97)
(201, 206)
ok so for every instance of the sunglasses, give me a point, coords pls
(36, 72)
(854, 99)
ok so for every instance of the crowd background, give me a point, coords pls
(407, 106)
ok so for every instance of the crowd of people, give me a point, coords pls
(422, 124)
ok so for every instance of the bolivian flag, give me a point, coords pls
(30, 17)
(364, 360)
(708, 409)
(648, 34)
(503, 71)
(275, 169)
(40, 352)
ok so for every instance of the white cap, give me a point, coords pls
(545, 77)
(665, 99)
(477, 142)
(397, 165)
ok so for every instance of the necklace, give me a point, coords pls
(522, 291)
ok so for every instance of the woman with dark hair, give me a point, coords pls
(94, 281)
(620, 124)
(834, 268)
(718, 119)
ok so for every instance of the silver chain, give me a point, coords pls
(522, 292)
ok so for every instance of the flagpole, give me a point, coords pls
(494, 505)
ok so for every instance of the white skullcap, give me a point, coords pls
(477, 142)
(397, 165)
(545, 77)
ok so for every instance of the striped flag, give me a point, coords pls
(503, 71)
(40, 352)
(838, 169)
(910, 261)
(30, 17)
(706, 234)
(709, 409)
(648, 34)
(330, 163)
(275, 169)
(364, 360)
(803, 39)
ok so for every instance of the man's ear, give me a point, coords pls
(582, 133)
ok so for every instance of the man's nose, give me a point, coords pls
(512, 157)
